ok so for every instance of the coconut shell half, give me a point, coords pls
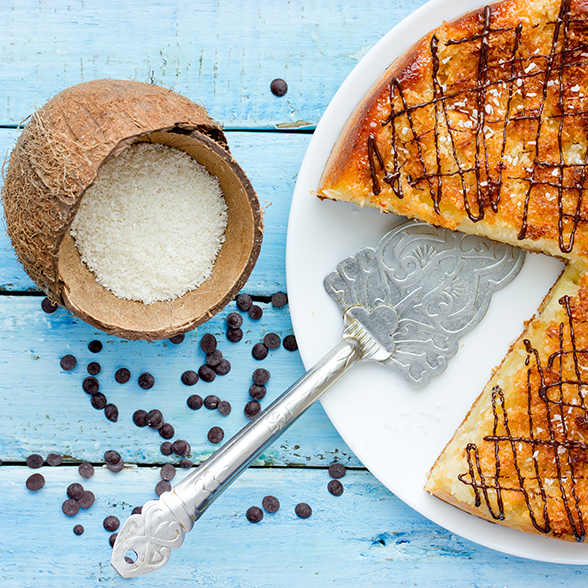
(59, 155)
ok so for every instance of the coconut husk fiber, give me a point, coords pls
(59, 155)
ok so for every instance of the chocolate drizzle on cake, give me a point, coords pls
(457, 142)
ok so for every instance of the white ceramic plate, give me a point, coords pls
(398, 431)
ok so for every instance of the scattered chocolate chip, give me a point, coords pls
(260, 376)
(166, 448)
(162, 486)
(75, 491)
(234, 335)
(257, 392)
(35, 461)
(111, 456)
(255, 312)
(244, 302)
(167, 472)
(189, 378)
(271, 504)
(234, 320)
(122, 375)
(90, 385)
(272, 341)
(140, 418)
(303, 510)
(112, 541)
(335, 487)
(35, 482)
(98, 401)
(279, 299)
(86, 470)
(211, 402)
(194, 402)
(279, 87)
(177, 339)
(208, 343)
(259, 351)
(252, 408)
(93, 368)
(224, 407)
(68, 362)
(223, 368)
(254, 514)
(95, 346)
(78, 529)
(186, 463)
(290, 343)
(48, 306)
(54, 459)
(111, 412)
(70, 507)
(137, 510)
(214, 358)
(116, 467)
(206, 373)
(181, 447)
(86, 500)
(154, 419)
(216, 435)
(146, 381)
(336, 470)
(111, 523)
(167, 431)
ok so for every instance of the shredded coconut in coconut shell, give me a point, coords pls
(151, 226)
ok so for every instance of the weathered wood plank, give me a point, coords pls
(270, 160)
(223, 54)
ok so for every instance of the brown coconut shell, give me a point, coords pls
(59, 155)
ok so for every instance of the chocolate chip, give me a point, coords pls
(254, 514)
(259, 351)
(75, 491)
(224, 407)
(244, 302)
(223, 368)
(167, 431)
(137, 510)
(257, 392)
(35, 482)
(95, 346)
(162, 486)
(214, 358)
(86, 500)
(48, 306)
(290, 343)
(211, 401)
(261, 376)
(140, 418)
(206, 373)
(181, 447)
(98, 401)
(336, 470)
(112, 456)
(186, 463)
(255, 312)
(93, 368)
(167, 472)
(279, 299)
(86, 470)
(122, 375)
(208, 343)
(90, 385)
(252, 408)
(111, 523)
(35, 461)
(216, 435)
(111, 412)
(272, 341)
(234, 335)
(270, 503)
(70, 507)
(177, 339)
(279, 87)
(116, 467)
(194, 402)
(303, 510)
(68, 362)
(54, 459)
(78, 529)
(112, 540)
(166, 448)
(146, 381)
(189, 378)
(234, 320)
(154, 419)
(335, 487)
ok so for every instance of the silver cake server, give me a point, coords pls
(405, 304)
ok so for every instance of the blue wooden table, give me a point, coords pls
(224, 55)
